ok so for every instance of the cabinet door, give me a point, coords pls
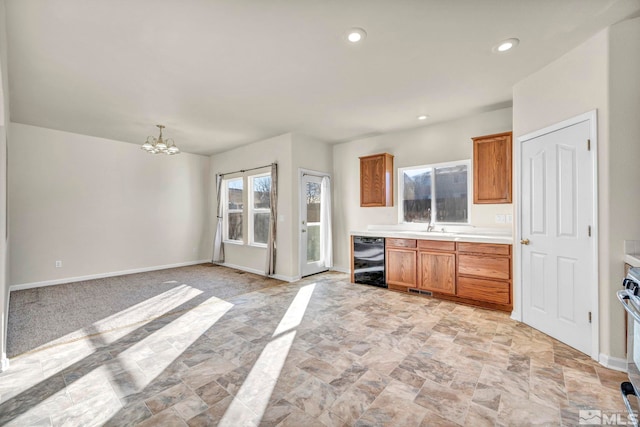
(376, 180)
(438, 272)
(401, 267)
(492, 168)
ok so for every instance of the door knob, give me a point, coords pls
(524, 241)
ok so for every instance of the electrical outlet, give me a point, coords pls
(500, 219)
(509, 219)
(58, 264)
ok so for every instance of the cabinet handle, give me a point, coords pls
(524, 241)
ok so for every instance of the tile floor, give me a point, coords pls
(319, 352)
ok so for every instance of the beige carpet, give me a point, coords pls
(51, 315)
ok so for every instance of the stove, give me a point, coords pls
(629, 297)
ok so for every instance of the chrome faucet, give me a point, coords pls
(430, 227)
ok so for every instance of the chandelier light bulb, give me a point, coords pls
(158, 145)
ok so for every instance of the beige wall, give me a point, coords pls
(291, 152)
(101, 206)
(311, 154)
(600, 74)
(276, 149)
(4, 121)
(623, 188)
(438, 143)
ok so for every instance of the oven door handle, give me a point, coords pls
(623, 296)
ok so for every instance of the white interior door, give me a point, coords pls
(312, 228)
(557, 232)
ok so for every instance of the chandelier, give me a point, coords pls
(159, 145)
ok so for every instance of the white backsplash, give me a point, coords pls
(467, 229)
(632, 247)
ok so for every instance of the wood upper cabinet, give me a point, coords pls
(401, 263)
(376, 180)
(492, 168)
(437, 272)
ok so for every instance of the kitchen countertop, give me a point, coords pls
(476, 236)
(632, 259)
(632, 252)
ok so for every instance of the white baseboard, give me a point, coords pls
(259, 272)
(615, 363)
(4, 362)
(101, 275)
(289, 279)
(340, 270)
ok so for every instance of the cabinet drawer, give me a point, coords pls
(401, 243)
(484, 266)
(484, 290)
(484, 248)
(437, 245)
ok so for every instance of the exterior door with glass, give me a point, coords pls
(312, 227)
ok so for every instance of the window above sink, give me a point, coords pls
(434, 194)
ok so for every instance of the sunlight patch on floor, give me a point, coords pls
(256, 389)
(134, 368)
(145, 311)
(180, 334)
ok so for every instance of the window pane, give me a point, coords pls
(313, 243)
(234, 195)
(235, 226)
(260, 227)
(313, 202)
(262, 192)
(451, 194)
(417, 195)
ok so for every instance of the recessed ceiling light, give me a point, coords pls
(506, 45)
(356, 35)
(423, 117)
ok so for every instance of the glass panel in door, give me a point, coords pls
(312, 227)
(313, 221)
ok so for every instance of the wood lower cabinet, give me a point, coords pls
(376, 180)
(488, 266)
(470, 273)
(491, 291)
(401, 263)
(437, 272)
(484, 274)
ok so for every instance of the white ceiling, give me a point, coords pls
(223, 73)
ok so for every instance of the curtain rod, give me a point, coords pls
(247, 170)
(318, 176)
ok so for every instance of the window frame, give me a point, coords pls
(252, 210)
(434, 213)
(226, 211)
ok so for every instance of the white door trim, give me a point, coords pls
(592, 118)
(301, 171)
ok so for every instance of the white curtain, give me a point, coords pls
(270, 268)
(325, 220)
(218, 246)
